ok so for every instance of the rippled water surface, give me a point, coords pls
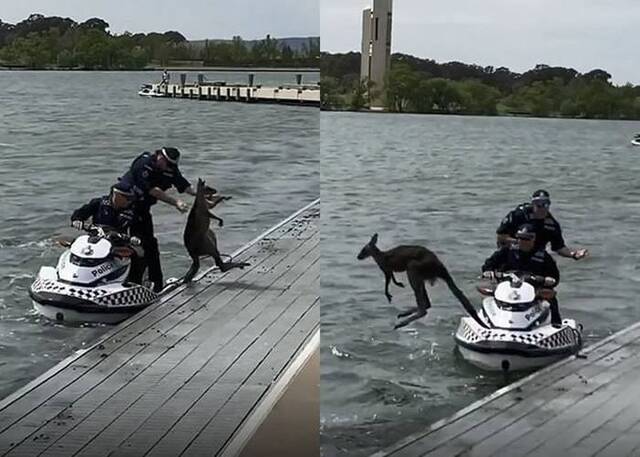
(445, 183)
(66, 136)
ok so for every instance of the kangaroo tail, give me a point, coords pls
(462, 298)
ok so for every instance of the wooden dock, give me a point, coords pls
(194, 375)
(306, 95)
(584, 406)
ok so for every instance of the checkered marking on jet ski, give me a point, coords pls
(562, 338)
(132, 296)
(469, 334)
(46, 285)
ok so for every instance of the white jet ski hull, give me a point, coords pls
(108, 303)
(499, 349)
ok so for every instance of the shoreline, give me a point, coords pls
(516, 116)
(174, 68)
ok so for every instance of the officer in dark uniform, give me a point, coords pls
(545, 225)
(114, 211)
(150, 175)
(525, 257)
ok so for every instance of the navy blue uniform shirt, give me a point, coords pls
(144, 176)
(103, 213)
(547, 229)
(537, 262)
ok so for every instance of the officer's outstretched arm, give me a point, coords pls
(162, 196)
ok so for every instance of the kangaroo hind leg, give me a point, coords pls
(193, 269)
(416, 280)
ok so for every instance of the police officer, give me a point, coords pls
(117, 212)
(545, 225)
(150, 175)
(525, 257)
(114, 211)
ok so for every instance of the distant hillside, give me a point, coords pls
(296, 44)
(421, 85)
(42, 42)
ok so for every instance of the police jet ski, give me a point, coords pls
(520, 335)
(89, 283)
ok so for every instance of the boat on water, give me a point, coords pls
(149, 90)
(518, 333)
(89, 283)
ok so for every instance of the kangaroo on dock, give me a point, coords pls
(199, 239)
(421, 265)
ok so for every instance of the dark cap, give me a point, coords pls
(541, 197)
(526, 232)
(171, 154)
(123, 188)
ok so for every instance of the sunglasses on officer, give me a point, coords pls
(541, 203)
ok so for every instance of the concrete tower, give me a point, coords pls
(376, 47)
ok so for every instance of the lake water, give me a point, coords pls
(445, 182)
(66, 136)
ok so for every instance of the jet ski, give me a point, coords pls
(520, 335)
(149, 90)
(636, 140)
(89, 283)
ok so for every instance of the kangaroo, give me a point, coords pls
(421, 265)
(199, 239)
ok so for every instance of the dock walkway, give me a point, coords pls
(193, 375)
(287, 95)
(584, 406)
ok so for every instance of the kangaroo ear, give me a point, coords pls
(374, 239)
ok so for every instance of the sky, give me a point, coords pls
(195, 19)
(518, 34)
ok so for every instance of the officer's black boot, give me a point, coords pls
(556, 320)
(155, 276)
(137, 270)
(152, 255)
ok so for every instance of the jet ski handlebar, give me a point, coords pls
(517, 276)
(112, 235)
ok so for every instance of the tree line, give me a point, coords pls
(46, 42)
(425, 86)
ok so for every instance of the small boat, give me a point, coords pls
(149, 90)
(636, 140)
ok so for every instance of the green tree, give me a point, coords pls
(400, 87)
(329, 93)
(358, 97)
(239, 51)
(478, 98)
(95, 23)
(446, 97)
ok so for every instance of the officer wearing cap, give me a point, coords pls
(150, 175)
(114, 211)
(545, 225)
(525, 257)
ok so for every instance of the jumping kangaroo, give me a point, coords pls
(199, 239)
(421, 265)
